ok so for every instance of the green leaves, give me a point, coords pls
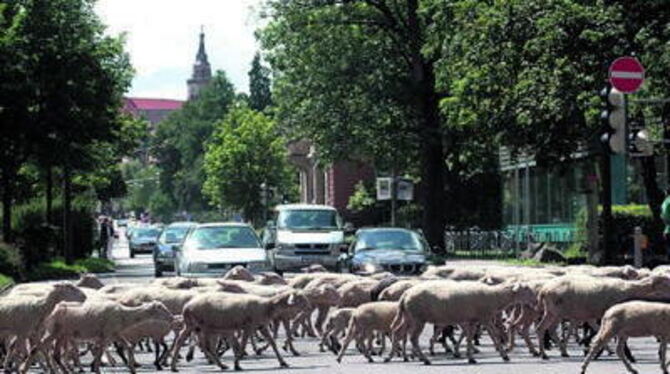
(244, 153)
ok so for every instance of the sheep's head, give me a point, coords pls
(89, 281)
(239, 273)
(270, 278)
(227, 286)
(67, 292)
(660, 284)
(294, 300)
(159, 311)
(329, 294)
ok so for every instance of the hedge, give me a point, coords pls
(58, 269)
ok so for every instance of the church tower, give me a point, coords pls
(202, 71)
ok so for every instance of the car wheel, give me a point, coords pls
(132, 254)
(279, 272)
(158, 272)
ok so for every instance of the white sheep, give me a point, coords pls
(239, 272)
(368, 318)
(335, 325)
(447, 303)
(88, 280)
(22, 316)
(99, 323)
(583, 298)
(216, 314)
(629, 320)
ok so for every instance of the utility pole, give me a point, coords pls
(394, 196)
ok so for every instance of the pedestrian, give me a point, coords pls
(104, 237)
(110, 237)
(665, 216)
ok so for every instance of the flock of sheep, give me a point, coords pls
(52, 325)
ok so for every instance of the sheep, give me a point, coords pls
(302, 280)
(448, 303)
(580, 298)
(239, 272)
(320, 297)
(180, 282)
(353, 294)
(23, 316)
(88, 280)
(314, 268)
(270, 279)
(335, 325)
(251, 288)
(364, 321)
(117, 288)
(100, 323)
(632, 319)
(156, 329)
(447, 272)
(396, 290)
(174, 300)
(217, 314)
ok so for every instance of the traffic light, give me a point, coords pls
(613, 119)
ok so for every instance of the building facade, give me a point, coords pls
(330, 184)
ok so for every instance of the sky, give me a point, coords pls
(162, 40)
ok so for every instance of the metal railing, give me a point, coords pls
(473, 242)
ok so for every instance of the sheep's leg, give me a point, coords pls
(469, 330)
(437, 330)
(662, 350)
(548, 321)
(497, 343)
(322, 313)
(351, 333)
(289, 339)
(382, 336)
(131, 355)
(416, 330)
(620, 352)
(191, 350)
(266, 334)
(157, 355)
(206, 347)
(525, 335)
(178, 341)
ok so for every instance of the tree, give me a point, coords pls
(179, 144)
(245, 152)
(351, 72)
(260, 96)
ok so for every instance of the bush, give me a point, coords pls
(5, 281)
(11, 262)
(39, 242)
(55, 269)
(96, 265)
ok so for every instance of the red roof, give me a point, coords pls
(135, 103)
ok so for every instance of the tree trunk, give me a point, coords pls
(7, 197)
(67, 222)
(432, 148)
(432, 166)
(49, 195)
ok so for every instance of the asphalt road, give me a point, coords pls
(312, 361)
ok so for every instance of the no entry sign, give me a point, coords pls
(626, 74)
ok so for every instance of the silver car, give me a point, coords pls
(214, 248)
(172, 235)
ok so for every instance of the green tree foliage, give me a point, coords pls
(356, 78)
(180, 139)
(260, 96)
(245, 152)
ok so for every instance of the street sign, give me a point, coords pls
(626, 74)
(383, 188)
(404, 189)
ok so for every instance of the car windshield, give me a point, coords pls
(389, 239)
(222, 237)
(303, 219)
(173, 234)
(145, 233)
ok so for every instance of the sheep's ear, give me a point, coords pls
(291, 299)
(516, 287)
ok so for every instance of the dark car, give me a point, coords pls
(164, 255)
(395, 250)
(143, 239)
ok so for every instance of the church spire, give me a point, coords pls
(202, 71)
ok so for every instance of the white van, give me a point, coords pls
(303, 234)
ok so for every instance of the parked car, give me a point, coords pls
(302, 234)
(171, 235)
(395, 250)
(143, 239)
(214, 248)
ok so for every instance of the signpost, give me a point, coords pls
(626, 74)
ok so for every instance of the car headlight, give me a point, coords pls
(370, 268)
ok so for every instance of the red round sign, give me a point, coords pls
(626, 74)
